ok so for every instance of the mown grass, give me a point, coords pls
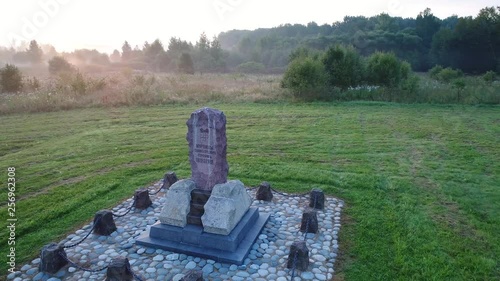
(420, 182)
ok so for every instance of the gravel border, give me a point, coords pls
(266, 261)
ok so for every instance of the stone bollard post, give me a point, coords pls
(104, 223)
(193, 275)
(119, 270)
(52, 258)
(141, 199)
(310, 217)
(169, 179)
(317, 199)
(264, 192)
(298, 251)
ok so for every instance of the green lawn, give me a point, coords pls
(421, 183)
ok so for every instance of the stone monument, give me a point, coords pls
(207, 148)
(206, 215)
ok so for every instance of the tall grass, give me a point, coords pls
(126, 88)
(77, 90)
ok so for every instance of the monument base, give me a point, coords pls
(191, 240)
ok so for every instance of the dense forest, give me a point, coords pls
(471, 44)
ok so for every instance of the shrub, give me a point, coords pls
(306, 78)
(410, 85)
(448, 74)
(489, 76)
(343, 66)
(11, 80)
(434, 72)
(78, 84)
(32, 84)
(59, 64)
(385, 69)
(251, 67)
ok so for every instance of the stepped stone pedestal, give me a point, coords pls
(207, 216)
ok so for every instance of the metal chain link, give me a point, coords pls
(97, 269)
(86, 236)
(81, 267)
(290, 195)
(158, 191)
(133, 273)
(128, 210)
(307, 228)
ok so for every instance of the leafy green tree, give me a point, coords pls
(434, 72)
(448, 74)
(300, 52)
(11, 79)
(34, 53)
(59, 64)
(385, 69)
(217, 55)
(386, 23)
(459, 85)
(155, 56)
(203, 43)
(426, 26)
(245, 46)
(153, 50)
(344, 67)
(489, 77)
(306, 78)
(126, 52)
(115, 56)
(186, 64)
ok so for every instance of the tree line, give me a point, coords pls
(470, 44)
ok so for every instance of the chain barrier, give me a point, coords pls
(133, 273)
(305, 239)
(158, 191)
(73, 264)
(77, 266)
(86, 236)
(290, 195)
(307, 228)
(128, 211)
(252, 188)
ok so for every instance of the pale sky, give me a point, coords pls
(104, 25)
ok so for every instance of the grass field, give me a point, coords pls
(421, 183)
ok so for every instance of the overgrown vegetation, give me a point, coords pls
(346, 71)
(11, 79)
(381, 77)
(420, 182)
(79, 90)
(306, 77)
(59, 64)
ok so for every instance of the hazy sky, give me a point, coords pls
(105, 24)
